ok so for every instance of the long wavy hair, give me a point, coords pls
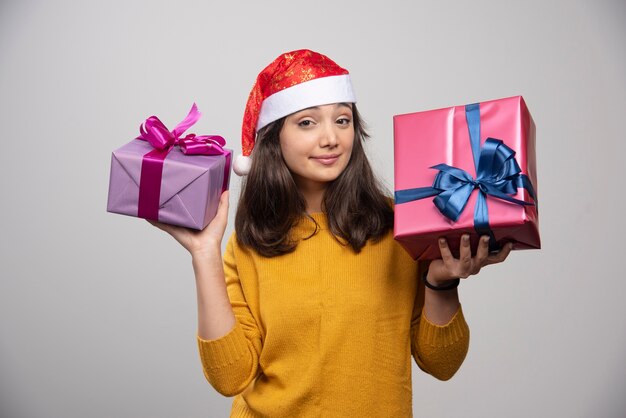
(270, 204)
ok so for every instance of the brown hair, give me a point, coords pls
(271, 205)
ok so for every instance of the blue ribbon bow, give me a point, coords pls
(497, 175)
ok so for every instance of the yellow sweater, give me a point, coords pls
(326, 332)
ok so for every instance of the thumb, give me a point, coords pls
(222, 209)
(223, 205)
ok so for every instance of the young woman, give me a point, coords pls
(315, 310)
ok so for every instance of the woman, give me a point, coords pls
(315, 310)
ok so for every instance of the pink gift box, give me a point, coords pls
(166, 177)
(425, 139)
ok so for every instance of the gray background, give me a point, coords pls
(97, 311)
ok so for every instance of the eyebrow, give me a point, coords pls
(344, 104)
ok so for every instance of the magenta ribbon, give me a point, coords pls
(163, 141)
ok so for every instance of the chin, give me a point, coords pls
(329, 176)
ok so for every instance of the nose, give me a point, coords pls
(329, 137)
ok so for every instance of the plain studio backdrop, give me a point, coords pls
(98, 311)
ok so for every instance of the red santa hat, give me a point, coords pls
(294, 81)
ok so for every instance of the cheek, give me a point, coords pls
(290, 155)
(349, 144)
(297, 146)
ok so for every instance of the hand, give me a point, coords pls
(450, 268)
(205, 241)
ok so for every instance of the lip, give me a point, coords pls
(328, 159)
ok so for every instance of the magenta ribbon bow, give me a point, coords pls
(163, 141)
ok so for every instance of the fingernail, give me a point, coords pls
(485, 239)
(510, 245)
(466, 238)
(442, 241)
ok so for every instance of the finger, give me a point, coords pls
(446, 254)
(157, 224)
(170, 229)
(501, 255)
(482, 253)
(465, 254)
(483, 250)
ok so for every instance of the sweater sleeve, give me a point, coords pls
(438, 349)
(231, 362)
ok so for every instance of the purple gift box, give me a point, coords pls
(164, 177)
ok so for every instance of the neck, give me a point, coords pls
(313, 195)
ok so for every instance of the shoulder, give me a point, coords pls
(236, 255)
(237, 250)
(234, 246)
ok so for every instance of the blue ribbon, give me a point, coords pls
(497, 175)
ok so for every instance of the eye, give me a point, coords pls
(305, 123)
(343, 121)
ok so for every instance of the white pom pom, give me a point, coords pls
(241, 165)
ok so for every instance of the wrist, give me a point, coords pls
(206, 253)
(439, 283)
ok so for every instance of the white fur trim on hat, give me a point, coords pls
(241, 165)
(316, 92)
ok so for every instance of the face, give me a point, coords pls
(316, 143)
